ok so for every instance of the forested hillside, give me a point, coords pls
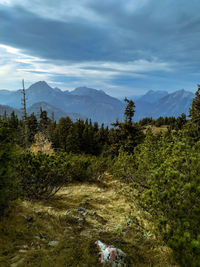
(156, 172)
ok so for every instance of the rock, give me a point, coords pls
(22, 251)
(81, 220)
(53, 243)
(68, 229)
(83, 211)
(79, 227)
(111, 255)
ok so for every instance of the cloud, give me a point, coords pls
(131, 44)
(72, 74)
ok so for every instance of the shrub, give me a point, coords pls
(8, 183)
(174, 198)
(123, 166)
(41, 175)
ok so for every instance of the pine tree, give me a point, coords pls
(32, 126)
(195, 109)
(129, 111)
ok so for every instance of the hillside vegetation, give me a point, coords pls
(65, 185)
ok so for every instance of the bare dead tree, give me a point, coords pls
(24, 115)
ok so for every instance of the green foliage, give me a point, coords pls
(166, 169)
(32, 126)
(83, 167)
(8, 183)
(195, 109)
(169, 169)
(123, 166)
(174, 197)
(129, 110)
(41, 175)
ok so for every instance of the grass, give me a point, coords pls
(79, 215)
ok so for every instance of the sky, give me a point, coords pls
(124, 47)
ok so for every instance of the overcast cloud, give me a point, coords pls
(123, 47)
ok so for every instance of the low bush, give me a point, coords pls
(173, 198)
(41, 175)
(167, 170)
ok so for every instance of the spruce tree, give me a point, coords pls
(195, 109)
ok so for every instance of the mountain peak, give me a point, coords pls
(40, 85)
(86, 91)
(153, 96)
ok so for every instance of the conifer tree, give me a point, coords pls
(129, 111)
(195, 109)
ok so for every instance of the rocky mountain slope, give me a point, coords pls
(90, 103)
(94, 104)
(154, 104)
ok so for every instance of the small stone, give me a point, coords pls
(99, 189)
(22, 251)
(68, 229)
(53, 243)
(81, 220)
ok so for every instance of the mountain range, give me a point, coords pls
(84, 102)
(162, 104)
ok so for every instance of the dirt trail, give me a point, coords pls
(62, 232)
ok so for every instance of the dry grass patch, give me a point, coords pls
(62, 232)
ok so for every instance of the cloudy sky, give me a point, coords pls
(124, 47)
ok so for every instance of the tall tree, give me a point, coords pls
(129, 110)
(195, 109)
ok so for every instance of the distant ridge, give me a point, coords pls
(173, 104)
(84, 102)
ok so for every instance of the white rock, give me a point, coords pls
(22, 251)
(53, 243)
